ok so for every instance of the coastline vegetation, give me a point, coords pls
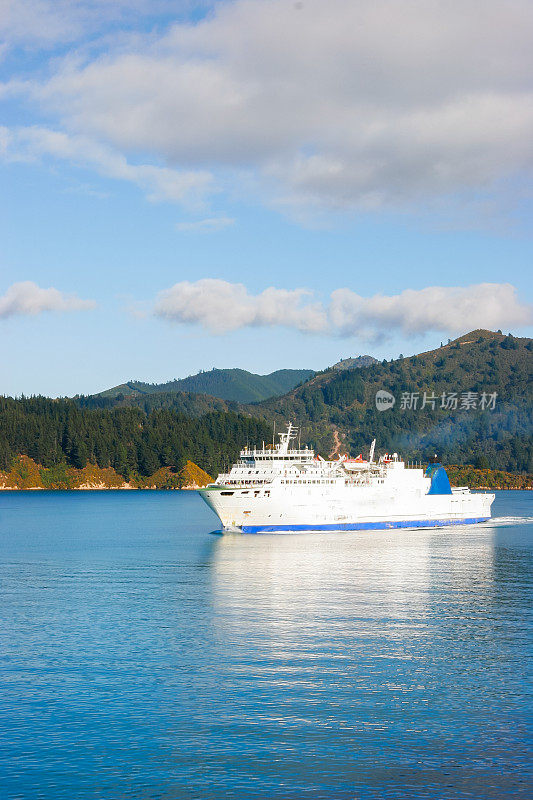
(57, 435)
(487, 478)
(25, 473)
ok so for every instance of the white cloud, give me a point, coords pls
(220, 307)
(35, 20)
(362, 104)
(50, 22)
(209, 225)
(159, 183)
(28, 299)
(413, 312)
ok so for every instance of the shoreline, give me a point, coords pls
(27, 475)
(101, 489)
(195, 488)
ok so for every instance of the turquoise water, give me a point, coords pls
(143, 658)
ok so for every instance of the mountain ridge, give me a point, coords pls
(231, 385)
(341, 405)
(335, 407)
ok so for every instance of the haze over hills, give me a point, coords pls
(237, 385)
(337, 409)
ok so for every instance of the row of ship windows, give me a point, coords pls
(256, 494)
(238, 483)
(267, 493)
(260, 483)
(258, 471)
(257, 482)
(324, 481)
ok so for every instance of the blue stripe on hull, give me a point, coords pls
(363, 526)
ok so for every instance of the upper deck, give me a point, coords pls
(274, 454)
(279, 451)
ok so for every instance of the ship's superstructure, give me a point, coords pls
(280, 489)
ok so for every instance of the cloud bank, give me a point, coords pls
(28, 299)
(349, 104)
(48, 23)
(435, 308)
(219, 307)
(159, 183)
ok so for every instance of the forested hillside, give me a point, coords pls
(341, 405)
(227, 384)
(470, 401)
(52, 432)
(191, 405)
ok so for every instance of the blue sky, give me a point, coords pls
(260, 183)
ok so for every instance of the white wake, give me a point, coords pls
(503, 522)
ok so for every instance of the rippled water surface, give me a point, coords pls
(144, 658)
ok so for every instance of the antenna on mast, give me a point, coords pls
(372, 448)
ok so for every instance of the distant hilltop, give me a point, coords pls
(228, 385)
(237, 385)
(355, 363)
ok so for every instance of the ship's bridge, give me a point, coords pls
(280, 451)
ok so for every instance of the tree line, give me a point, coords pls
(131, 441)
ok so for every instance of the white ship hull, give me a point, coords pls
(278, 490)
(354, 508)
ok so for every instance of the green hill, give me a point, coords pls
(59, 434)
(235, 385)
(186, 403)
(337, 409)
(337, 412)
(142, 433)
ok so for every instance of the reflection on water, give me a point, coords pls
(411, 640)
(277, 582)
(143, 658)
(347, 599)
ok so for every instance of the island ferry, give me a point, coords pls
(280, 489)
